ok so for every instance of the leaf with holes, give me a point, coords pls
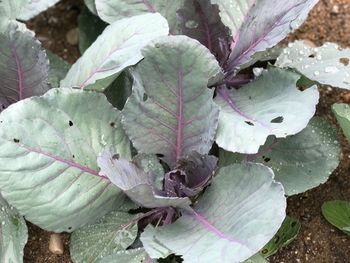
(111, 11)
(200, 20)
(338, 214)
(178, 115)
(9, 9)
(270, 105)
(57, 172)
(328, 64)
(236, 231)
(301, 161)
(34, 8)
(23, 66)
(113, 233)
(13, 234)
(108, 56)
(285, 235)
(268, 22)
(342, 113)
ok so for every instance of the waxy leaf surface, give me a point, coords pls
(328, 64)
(114, 232)
(13, 234)
(171, 111)
(34, 8)
(300, 162)
(109, 55)
(111, 10)
(237, 215)
(48, 167)
(269, 22)
(270, 105)
(9, 9)
(23, 66)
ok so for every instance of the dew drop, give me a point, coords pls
(331, 69)
(316, 73)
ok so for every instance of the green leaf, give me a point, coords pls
(237, 215)
(342, 113)
(49, 146)
(137, 255)
(176, 114)
(270, 105)
(58, 69)
(108, 56)
(111, 11)
(9, 9)
(327, 65)
(23, 66)
(120, 90)
(114, 232)
(90, 27)
(301, 161)
(34, 8)
(285, 235)
(13, 234)
(338, 214)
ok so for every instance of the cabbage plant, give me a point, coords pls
(176, 136)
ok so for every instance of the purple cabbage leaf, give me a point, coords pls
(171, 111)
(23, 66)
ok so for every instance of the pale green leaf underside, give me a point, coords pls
(328, 64)
(111, 11)
(13, 234)
(35, 7)
(91, 5)
(109, 55)
(301, 161)
(342, 113)
(237, 215)
(9, 9)
(338, 214)
(257, 258)
(179, 115)
(114, 232)
(270, 105)
(48, 168)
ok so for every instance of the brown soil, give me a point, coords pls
(317, 241)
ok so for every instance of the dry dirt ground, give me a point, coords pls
(317, 241)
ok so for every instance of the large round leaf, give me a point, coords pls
(270, 105)
(13, 234)
(49, 146)
(109, 55)
(300, 162)
(237, 215)
(176, 115)
(111, 10)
